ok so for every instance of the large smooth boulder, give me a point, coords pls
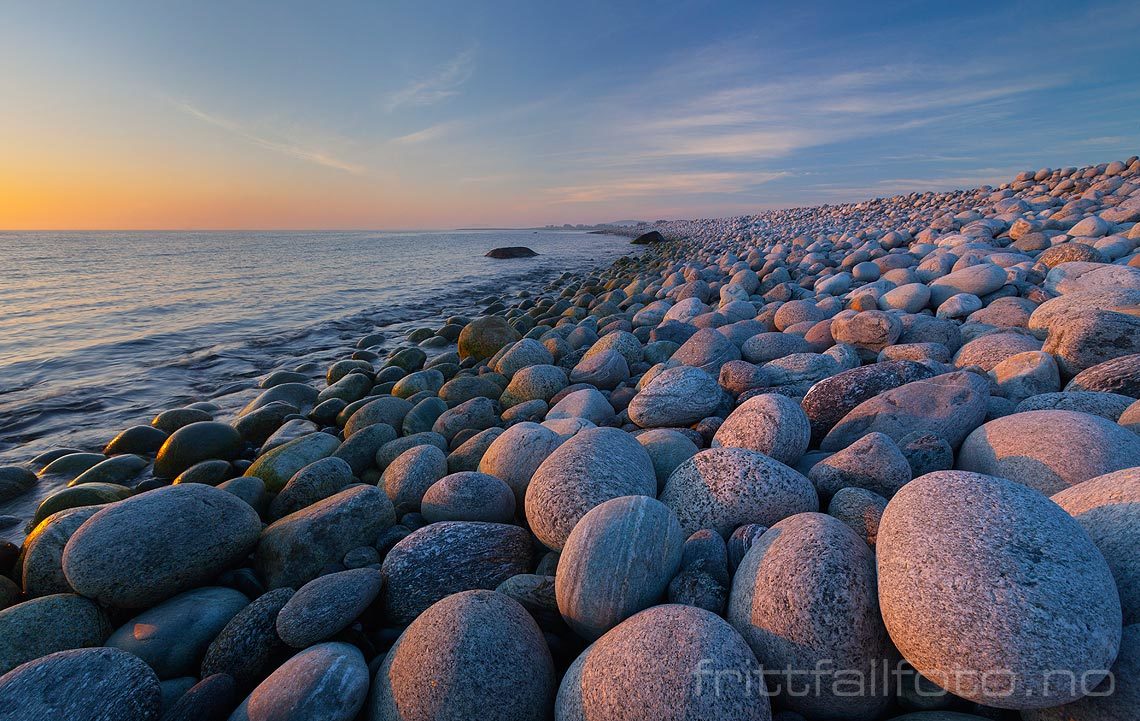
(42, 553)
(832, 398)
(137, 552)
(1049, 450)
(804, 598)
(1115, 699)
(472, 654)
(1108, 508)
(280, 464)
(173, 636)
(326, 605)
(517, 453)
(326, 682)
(196, 442)
(993, 592)
(448, 557)
(949, 405)
(723, 488)
(981, 279)
(90, 684)
(592, 467)
(770, 423)
(48, 624)
(483, 337)
(1090, 337)
(676, 397)
(618, 560)
(408, 478)
(295, 549)
(667, 663)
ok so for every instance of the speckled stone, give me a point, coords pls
(860, 509)
(1105, 405)
(950, 405)
(326, 605)
(326, 682)
(770, 423)
(722, 488)
(91, 684)
(670, 662)
(678, 396)
(515, 455)
(295, 549)
(945, 539)
(832, 398)
(315, 482)
(595, 465)
(139, 551)
(42, 553)
(1114, 699)
(1034, 448)
(804, 595)
(477, 652)
(618, 560)
(469, 496)
(448, 557)
(248, 647)
(1119, 375)
(1108, 508)
(873, 463)
(44, 625)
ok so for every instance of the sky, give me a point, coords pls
(451, 113)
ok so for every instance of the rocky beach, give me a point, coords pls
(859, 462)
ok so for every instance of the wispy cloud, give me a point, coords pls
(445, 83)
(666, 184)
(284, 147)
(432, 132)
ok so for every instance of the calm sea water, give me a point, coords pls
(99, 331)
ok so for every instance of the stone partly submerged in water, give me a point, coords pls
(653, 236)
(513, 251)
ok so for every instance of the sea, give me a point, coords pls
(102, 330)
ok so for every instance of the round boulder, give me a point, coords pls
(993, 592)
(770, 423)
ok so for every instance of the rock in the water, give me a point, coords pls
(326, 682)
(326, 605)
(653, 236)
(722, 488)
(91, 684)
(770, 423)
(618, 560)
(1108, 508)
(472, 654)
(805, 600)
(139, 551)
(173, 636)
(668, 662)
(513, 251)
(597, 464)
(296, 548)
(48, 624)
(1051, 609)
(448, 557)
(1037, 449)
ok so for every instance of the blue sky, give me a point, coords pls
(442, 114)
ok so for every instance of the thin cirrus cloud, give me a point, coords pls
(667, 184)
(283, 147)
(432, 132)
(444, 84)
